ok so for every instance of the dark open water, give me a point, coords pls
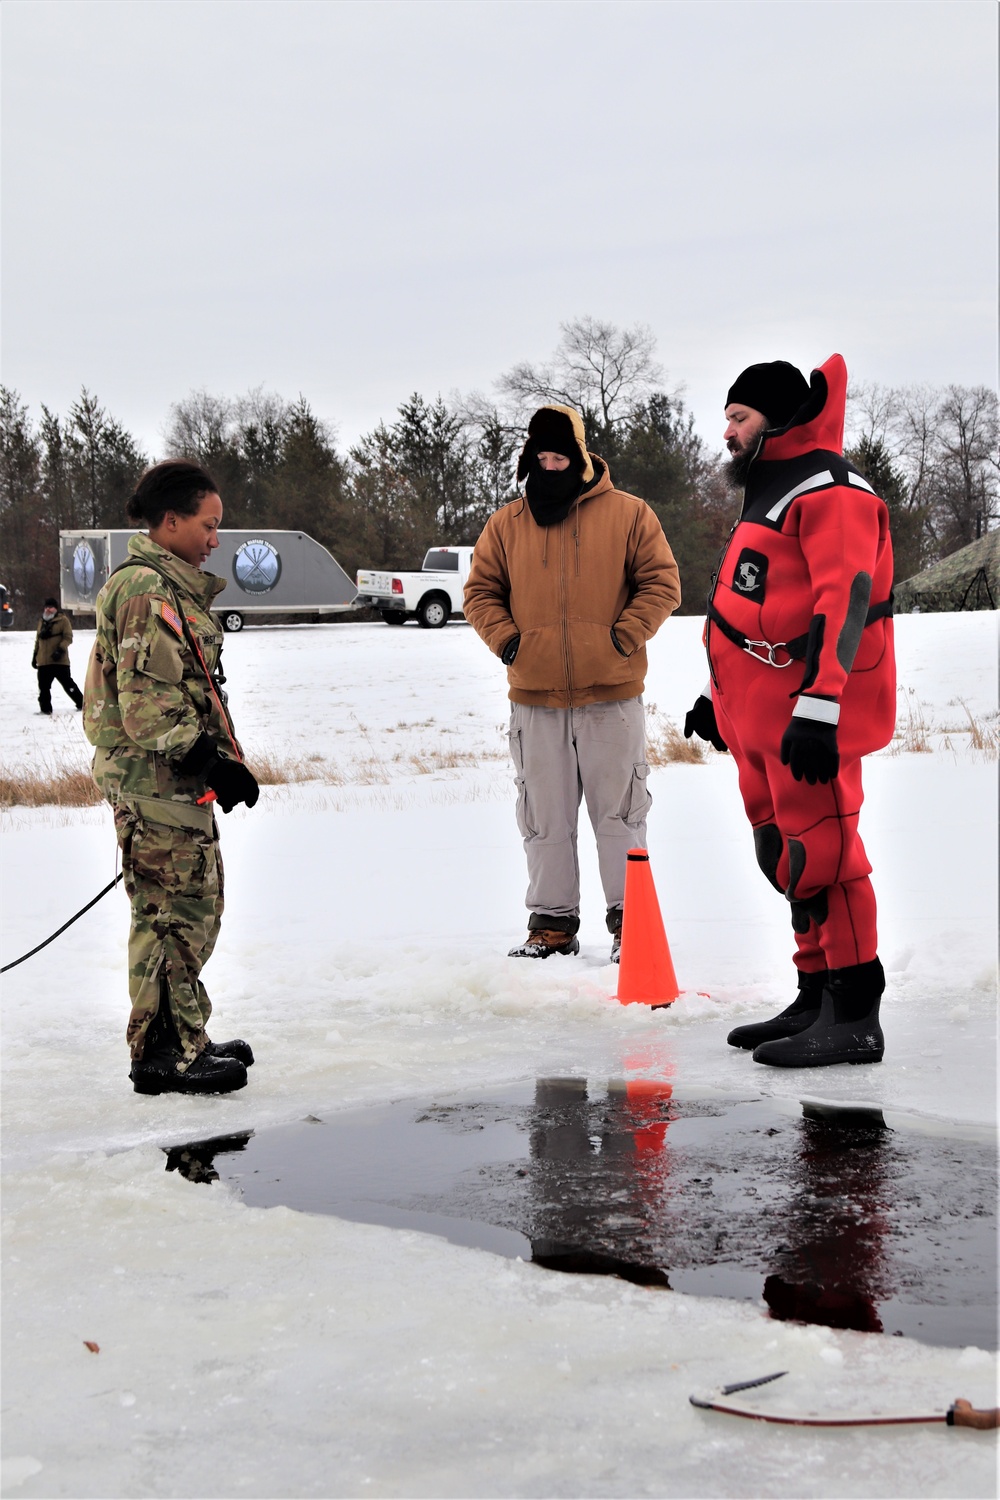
(829, 1215)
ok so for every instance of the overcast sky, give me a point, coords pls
(360, 200)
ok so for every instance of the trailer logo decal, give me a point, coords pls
(256, 566)
(83, 569)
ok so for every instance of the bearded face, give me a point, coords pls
(744, 430)
(736, 471)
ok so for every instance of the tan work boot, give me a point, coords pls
(545, 941)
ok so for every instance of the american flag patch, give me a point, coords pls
(172, 618)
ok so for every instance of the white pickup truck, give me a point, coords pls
(430, 597)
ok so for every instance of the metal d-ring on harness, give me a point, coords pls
(795, 650)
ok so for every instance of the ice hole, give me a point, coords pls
(821, 1213)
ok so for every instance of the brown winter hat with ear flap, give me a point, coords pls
(557, 429)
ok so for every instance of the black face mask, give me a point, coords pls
(550, 492)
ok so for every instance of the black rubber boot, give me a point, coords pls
(206, 1075)
(846, 1030)
(799, 1016)
(242, 1051)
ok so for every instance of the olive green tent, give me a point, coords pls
(967, 579)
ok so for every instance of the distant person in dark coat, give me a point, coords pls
(51, 656)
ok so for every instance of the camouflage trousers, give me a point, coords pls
(174, 880)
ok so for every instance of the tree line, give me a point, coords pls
(435, 472)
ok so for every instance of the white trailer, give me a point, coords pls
(277, 572)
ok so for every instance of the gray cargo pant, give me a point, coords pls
(561, 755)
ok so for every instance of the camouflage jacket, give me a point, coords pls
(147, 697)
(52, 642)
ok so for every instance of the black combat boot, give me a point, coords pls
(206, 1075)
(847, 1028)
(158, 1073)
(798, 1016)
(242, 1051)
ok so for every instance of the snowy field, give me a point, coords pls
(371, 899)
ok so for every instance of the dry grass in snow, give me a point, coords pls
(45, 786)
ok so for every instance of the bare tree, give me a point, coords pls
(942, 443)
(873, 412)
(965, 470)
(199, 427)
(605, 372)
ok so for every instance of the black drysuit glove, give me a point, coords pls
(701, 721)
(229, 779)
(809, 750)
(510, 650)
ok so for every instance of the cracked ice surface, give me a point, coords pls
(266, 1352)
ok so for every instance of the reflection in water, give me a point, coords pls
(591, 1187)
(831, 1269)
(196, 1160)
(828, 1214)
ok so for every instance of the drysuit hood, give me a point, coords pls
(819, 421)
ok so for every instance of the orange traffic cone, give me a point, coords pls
(645, 970)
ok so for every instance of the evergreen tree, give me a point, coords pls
(389, 524)
(26, 535)
(105, 462)
(907, 516)
(660, 457)
(431, 449)
(306, 488)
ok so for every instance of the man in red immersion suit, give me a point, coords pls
(803, 684)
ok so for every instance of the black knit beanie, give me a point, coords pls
(51, 604)
(777, 390)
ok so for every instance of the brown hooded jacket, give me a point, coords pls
(562, 588)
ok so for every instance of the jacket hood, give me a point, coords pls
(819, 421)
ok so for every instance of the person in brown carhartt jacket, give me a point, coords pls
(567, 585)
(51, 656)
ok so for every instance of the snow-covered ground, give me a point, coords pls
(370, 903)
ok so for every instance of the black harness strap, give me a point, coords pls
(794, 650)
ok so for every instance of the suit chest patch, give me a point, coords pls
(750, 574)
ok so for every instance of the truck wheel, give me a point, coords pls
(433, 612)
(393, 616)
(232, 621)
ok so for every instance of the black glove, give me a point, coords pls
(617, 643)
(510, 650)
(809, 749)
(701, 721)
(230, 780)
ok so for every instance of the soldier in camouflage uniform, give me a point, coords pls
(164, 751)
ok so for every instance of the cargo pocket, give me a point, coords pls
(522, 811)
(639, 800)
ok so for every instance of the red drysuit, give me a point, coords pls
(808, 566)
